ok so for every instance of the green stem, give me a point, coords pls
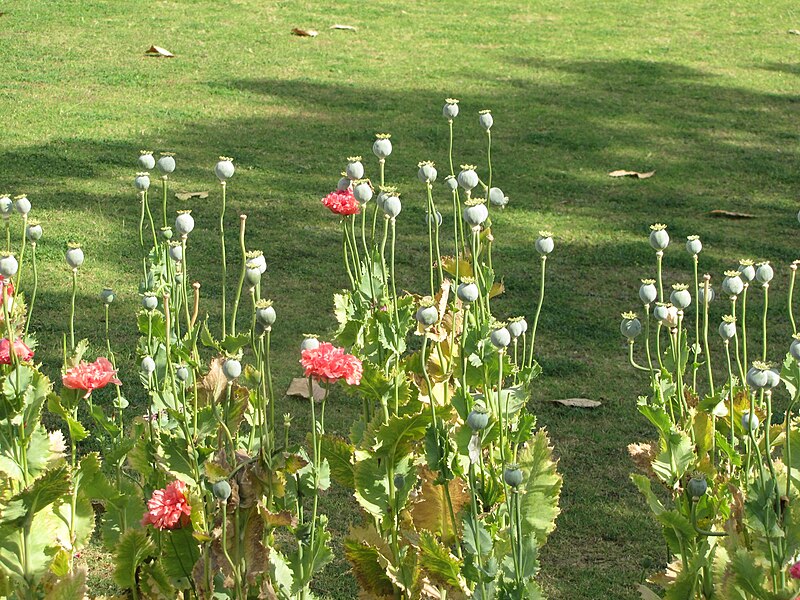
(224, 258)
(237, 299)
(538, 310)
(35, 286)
(71, 310)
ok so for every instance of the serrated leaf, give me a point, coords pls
(367, 569)
(398, 435)
(133, 549)
(439, 563)
(430, 510)
(542, 487)
(70, 586)
(339, 454)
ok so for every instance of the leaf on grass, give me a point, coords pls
(634, 174)
(726, 214)
(647, 593)
(299, 387)
(158, 51)
(305, 32)
(794, 31)
(190, 195)
(343, 27)
(578, 402)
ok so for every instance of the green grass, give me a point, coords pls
(704, 93)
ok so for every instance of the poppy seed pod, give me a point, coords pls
(166, 163)
(647, 291)
(659, 238)
(146, 160)
(224, 169)
(382, 146)
(693, 245)
(354, 169)
(544, 243)
(450, 109)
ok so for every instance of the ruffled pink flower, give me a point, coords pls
(794, 570)
(342, 202)
(90, 376)
(20, 349)
(328, 364)
(168, 508)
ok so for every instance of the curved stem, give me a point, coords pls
(224, 258)
(71, 310)
(237, 299)
(538, 310)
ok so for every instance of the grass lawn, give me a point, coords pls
(704, 93)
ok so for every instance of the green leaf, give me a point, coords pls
(542, 488)
(441, 565)
(179, 552)
(676, 457)
(339, 454)
(133, 549)
(748, 577)
(398, 435)
(76, 430)
(372, 486)
(475, 533)
(45, 490)
(154, 583)
(233, 344)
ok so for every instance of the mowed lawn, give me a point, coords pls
(704, 93)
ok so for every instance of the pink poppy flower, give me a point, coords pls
(328, 364)
(168, 508)
(20, 349)
(90, 376)
(342, 202)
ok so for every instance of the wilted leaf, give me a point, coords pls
(643, 455)
(634, 174)
(726, 214)
(343, 27)
(299, 387)
(578, 402)
(430, 510)
(305, 32)
(794, 31)
(367, 569)
(158, 51)
(190, 195)
(214, 384)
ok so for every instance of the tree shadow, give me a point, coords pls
(554, 142)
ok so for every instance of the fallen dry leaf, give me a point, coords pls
(305, 32)
(578, 402)
(299, 387)
(190, 195)
(726, 214)
(344, 27)
(635, 174)
(647, 593)
(794, 31)
(158, 51)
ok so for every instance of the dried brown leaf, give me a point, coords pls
(578, 402)
(727, 214)
(190, 195)
(643, 456)
(634, 174)
(430, 510)
(213, 386)
(299, 387)
(158, 51)
(305, 32)
(343, 27)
